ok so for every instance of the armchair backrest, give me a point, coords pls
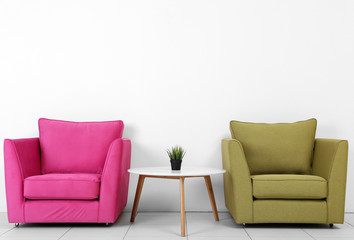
(281, 148)
(76, 147)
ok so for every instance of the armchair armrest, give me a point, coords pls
(115, 181)
(237, 181)
(22, 159)
(330, 162)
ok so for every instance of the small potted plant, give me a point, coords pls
(176, 155)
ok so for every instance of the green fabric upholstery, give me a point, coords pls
(276, 148)
(330, 162)
(237, 181)
(290, 211)
(289, 186)
(253, 188)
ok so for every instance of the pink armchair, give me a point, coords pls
(74, 172)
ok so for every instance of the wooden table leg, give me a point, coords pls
(137, 197)
(211, 196)
(183, 223)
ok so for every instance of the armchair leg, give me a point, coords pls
(108, 224)
(331, 225)
(17, 224)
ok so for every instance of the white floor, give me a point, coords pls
(164, 225)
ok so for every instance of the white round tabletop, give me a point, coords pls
(184, 172)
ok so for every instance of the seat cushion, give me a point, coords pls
(62, 186)
(74, 147)
(289, 186)
(280, 148)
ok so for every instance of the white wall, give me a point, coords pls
(176, 72)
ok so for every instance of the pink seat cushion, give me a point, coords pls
(62, 186)
(72, 147)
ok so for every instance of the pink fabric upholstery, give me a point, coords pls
(74, 147)
(22, 159)
(66, 155)
(62, 186)
(115, 179)
(50, 211)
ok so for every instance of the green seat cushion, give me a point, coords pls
(284, 148)
(289, 186)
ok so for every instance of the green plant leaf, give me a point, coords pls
(176, 153)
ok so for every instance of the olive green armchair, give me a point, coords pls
(279, 173)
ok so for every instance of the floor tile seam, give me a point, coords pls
(308, 234)
(65, 233)
(2, 234)
(130, 225)
(185, 218)
(349, 223)
(244, 228)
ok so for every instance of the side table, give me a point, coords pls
(167, 173)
